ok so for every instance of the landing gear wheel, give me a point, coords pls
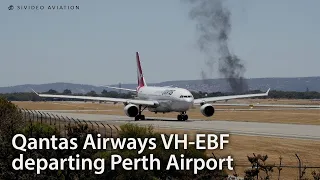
(182, 117)
(185, 117)
(139, 117)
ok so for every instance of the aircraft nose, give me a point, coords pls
(190, 100)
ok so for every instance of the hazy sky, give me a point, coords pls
(97, 43)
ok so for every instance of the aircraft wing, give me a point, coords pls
(121, 100)
(220, 98)
(132, 90)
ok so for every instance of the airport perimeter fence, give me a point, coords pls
(298, 170)
(280, 171)
(62, 123)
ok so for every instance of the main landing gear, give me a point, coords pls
(182, 117)
(140, 116)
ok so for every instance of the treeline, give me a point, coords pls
(272, 94)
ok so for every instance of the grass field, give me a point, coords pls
(228, 113)
(242, 146)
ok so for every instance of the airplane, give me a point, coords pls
(159, 99)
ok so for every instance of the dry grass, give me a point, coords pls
(290, 116)
(242, 146)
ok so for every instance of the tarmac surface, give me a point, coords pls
(232, 127)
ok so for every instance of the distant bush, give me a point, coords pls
(11, 118)
(135, 131)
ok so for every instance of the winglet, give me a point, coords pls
(34, 91)
(268, 91)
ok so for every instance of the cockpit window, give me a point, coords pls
(185, 96)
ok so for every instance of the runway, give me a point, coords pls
(232, 127)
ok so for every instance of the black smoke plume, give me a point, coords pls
(214, 26)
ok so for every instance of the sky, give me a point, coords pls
(96, 44)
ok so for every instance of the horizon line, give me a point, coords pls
(157, 82)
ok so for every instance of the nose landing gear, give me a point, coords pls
(182, 117)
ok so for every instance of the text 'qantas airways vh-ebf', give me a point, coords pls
(159, 99)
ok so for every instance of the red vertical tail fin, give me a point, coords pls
(141, 81)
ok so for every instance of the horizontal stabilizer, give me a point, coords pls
(133, 90)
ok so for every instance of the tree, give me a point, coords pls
(67, 92)
(316, 175)
(91, 93)
(259, 164)
(10, 118)
(113, 94)
(104, 92)
(52, 91)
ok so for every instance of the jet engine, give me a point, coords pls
(207, 110)
(131, 110)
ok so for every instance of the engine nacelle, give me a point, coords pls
(207, 110)
(131, 110)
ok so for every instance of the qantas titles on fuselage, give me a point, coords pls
(171, 100)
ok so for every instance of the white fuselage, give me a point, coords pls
(170, 99)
